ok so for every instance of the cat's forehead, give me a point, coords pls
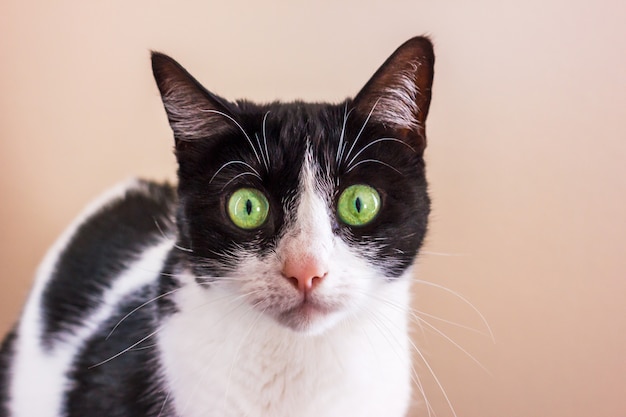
(275, 138)
(291, 123)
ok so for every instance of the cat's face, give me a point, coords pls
(303, 211)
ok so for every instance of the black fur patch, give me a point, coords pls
(378, 138)
(102, 247)
(393, 167)
(168, 283)
(6, 354)
(128, 385)
(204, 188)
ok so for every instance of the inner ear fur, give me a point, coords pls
(193, 112)
(398, 95)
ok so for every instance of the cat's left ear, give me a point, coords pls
(398, 94)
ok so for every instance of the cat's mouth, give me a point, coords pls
(309, 316)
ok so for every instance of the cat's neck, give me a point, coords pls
(216, 340)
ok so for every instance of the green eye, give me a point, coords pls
(358, 205)
(248, 208)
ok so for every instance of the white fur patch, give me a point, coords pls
(222, 357)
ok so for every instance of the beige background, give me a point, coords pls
(527, 151)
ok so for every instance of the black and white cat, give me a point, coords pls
(272, 281)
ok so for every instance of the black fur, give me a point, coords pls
(402, 221)
(127, 385)
(6, 352)
(168, 282)
(405, 203)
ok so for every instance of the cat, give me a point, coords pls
(272, 280)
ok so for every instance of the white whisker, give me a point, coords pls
(207, 366)
(376, 161)
(183, 249)
(256, 173)
(378, 141)
(265, 162)
(414, 312)
(240, 128)
(241, 342)
(226, 314)
(362, 128)
(138, 308)
(465, 300)
(381, 327)
(341, 146)
(441, 253)
(424, 360)
(449, 339)
(237, 176)
(158, 226)
(117, 355)
(267, 154)
(432, 373)
(167, 397)
(152, 346)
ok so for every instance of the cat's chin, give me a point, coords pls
(309, 318)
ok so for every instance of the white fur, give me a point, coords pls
(398, 103)
(227, 353)
(226, 359)
(39, 375)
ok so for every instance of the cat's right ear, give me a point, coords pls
(193, 112)
(398, 94)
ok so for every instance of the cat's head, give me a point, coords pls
(305, 211)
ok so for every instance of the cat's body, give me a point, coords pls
(273, 281)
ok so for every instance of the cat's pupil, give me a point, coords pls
(248, 207)
(357, 204)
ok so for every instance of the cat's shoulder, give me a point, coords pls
(132, 209)
(128, 216)
(127, 199)
(109, 235)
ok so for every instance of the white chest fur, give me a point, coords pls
(222, 358)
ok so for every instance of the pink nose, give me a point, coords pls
(305, 273)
